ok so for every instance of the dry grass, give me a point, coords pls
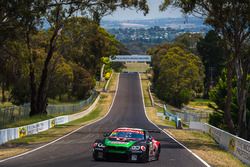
(27, 143)
(145, 83)
(5, 153)
(136, 67)
(151, 111)
(206, 148)
(200, 143)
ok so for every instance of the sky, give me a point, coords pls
(154, 13)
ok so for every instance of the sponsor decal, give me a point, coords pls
(118, 142)
(129, 130)
(242, 150)
(231, 145)
(52, 123)
(22, 131)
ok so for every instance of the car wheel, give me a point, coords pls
(95, 157)
(157, 155)
(146, 156)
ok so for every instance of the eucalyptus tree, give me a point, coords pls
(231, 19)
(30, 15)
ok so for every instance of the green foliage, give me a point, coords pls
(218, 95)
(216, 119)
(212, 53)
(20, 92)
(117, 66)
(82, 83)
(87, 44)
(107, 75)
(77, 40)
(180, 75)
(188, 40)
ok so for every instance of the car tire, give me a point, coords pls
(95, 156)
(145, 157)
(157, 155)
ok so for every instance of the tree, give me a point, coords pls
(100, 10)
(157, 53)
(231, 19)
(30, 15)
(82, 82)
(212, 54)
(180, 77)
(189, 40)
(218, 95)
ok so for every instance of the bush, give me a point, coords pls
(107, 75)
(82, 83)
(216, 119)
(180, 77)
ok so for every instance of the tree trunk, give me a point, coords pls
(227, 114)
(242, 92)
(3, 92)
(42, 100)
(33, 107)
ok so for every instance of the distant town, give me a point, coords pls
(153, 31)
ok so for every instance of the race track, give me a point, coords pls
(127, 111)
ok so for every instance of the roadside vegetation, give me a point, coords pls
(136, 67)
(224, 52)
(206, 148)
(27, 143)
(200, 143)
(53, 49)
(153, 110)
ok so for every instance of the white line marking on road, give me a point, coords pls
(31, 151)
(199, 158)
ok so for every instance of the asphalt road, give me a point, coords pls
(127, 111)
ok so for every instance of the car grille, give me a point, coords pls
(117, 157)
(114, 148)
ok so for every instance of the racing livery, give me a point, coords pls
(129, 144)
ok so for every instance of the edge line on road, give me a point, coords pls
(54, 141)
(199, 158)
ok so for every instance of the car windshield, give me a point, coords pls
(136, 135)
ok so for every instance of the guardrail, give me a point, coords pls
(15, 113)
(14, 133)
(189, 117)
(172, 116)
(234, 144)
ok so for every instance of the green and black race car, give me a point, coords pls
(129, 144)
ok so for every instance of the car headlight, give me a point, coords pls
(135, 148)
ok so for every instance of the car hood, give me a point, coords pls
(118, 143)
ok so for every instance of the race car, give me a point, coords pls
(127, 144)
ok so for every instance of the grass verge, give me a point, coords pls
(152, 111)
(136, 67)
(206, 148)
(27, 143)
(200, 143)
(38, 118)
(145, 83)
